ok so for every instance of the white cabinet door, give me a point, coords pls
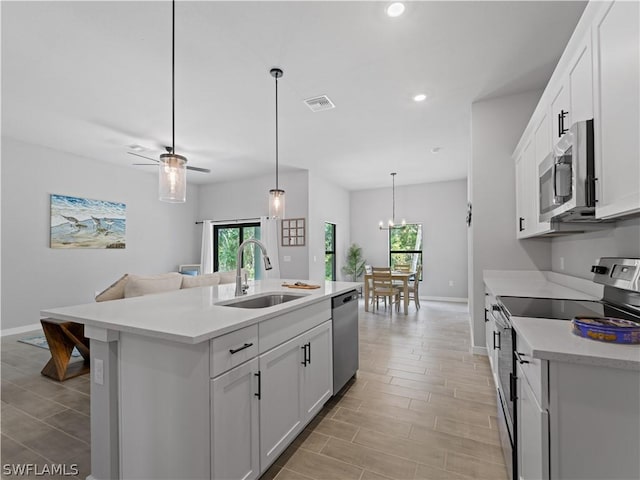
(525, 187)
(617, 113)
(560, 115)
(318, 369)
(281, 410)
(234, 423)
(542, 141)
(533, 433)
(520, 197)
(581, 82)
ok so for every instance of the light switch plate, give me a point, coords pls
(287, 258)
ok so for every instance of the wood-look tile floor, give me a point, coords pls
(421, 407)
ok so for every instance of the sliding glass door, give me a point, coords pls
(227, 239)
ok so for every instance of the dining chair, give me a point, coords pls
(383, 287)
(414, 287)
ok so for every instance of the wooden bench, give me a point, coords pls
(62, 337)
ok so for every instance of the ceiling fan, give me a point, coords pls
(169, 153)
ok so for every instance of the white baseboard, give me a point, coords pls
(16, 330)
(479, 351)
(446, 299)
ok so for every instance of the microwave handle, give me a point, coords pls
(554, 170)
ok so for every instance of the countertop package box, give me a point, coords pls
(553, 339)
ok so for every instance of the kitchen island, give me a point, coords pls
(185, 385)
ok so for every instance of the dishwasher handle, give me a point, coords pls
(344, 299)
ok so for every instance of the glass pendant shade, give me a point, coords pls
(172, 178)
(276, 203)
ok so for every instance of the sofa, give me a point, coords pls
(130, 285)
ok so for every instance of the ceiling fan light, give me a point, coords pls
(172, 178)
(276, 203)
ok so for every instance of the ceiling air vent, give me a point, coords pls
(318, 104)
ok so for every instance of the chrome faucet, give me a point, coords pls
(240, 288)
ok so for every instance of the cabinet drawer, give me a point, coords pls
(233, 349)
(533, 370)
(279, 329)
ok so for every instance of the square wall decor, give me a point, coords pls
(293, 232)
(84, 223)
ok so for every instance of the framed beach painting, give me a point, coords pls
(85, 223)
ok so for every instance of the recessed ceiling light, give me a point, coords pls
(436, 149)
(137, 148)
(395, 9)
(421, 97)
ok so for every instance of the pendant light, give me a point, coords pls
(276, 195)
(392, 221)
(172, 178)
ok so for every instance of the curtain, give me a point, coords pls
(206, 255)
(269, 234)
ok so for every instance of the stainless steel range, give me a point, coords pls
(621, 299)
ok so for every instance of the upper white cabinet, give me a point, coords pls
(597, 77)
(560, 111)
(580, 83)
(616, 70)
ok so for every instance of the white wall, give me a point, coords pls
(159, 236)
(249, 198)
(440, 207)
(497, 125)
(327, 203)
(581, 251)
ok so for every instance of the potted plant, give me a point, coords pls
(355, 263)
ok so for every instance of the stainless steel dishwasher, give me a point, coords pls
(344, 310)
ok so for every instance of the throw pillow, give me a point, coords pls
(139, 285)
(230, 276)
(208, 280)
(114, 291)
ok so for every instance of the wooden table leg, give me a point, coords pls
(405, 288)
(366, 294)
(62, 338)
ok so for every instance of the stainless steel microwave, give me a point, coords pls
(566, 177)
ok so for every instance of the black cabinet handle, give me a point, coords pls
(496, 347)
(259, 394)
(519, 356)
(486, 318)
(309, 352)
(239, 349)
(521, 224)
(561, 117)
(304, 355)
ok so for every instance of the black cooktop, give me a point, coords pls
(562, 309)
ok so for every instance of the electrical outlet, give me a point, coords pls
(451, 283)
(315, 259)
(287, 258)
(561, 263)
(98, 371)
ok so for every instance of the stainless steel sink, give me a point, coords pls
(263, 301)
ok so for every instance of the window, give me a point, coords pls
(227, 239)
(330, 251)
(405, 246)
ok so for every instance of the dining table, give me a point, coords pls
(400, 276)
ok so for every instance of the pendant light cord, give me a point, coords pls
(173, 77)
(277, 187)
(393, 198)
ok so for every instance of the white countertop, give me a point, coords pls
(191, 315)
(553, 340)
(531, 284)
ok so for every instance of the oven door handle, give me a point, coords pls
(554, 172)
